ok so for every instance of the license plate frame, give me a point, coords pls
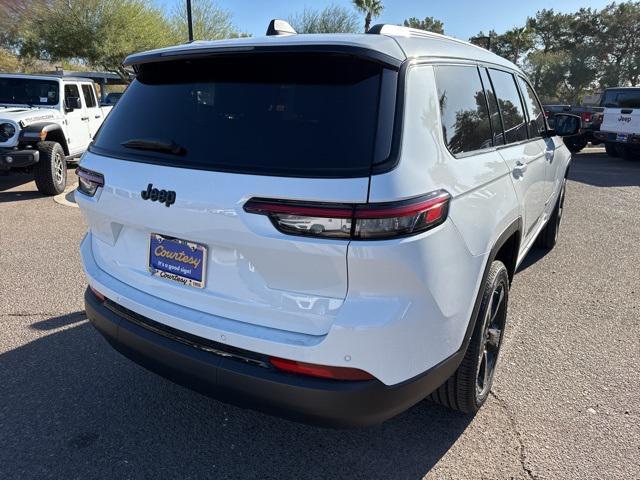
(622, 137)
(177, 260)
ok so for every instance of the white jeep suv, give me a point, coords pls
(319, 226)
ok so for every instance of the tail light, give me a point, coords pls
(586, 116)
(320, 371)
(98, 295)
(89, 181)
(355, 221)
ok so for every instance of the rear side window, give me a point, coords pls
(494, 112)
(536, 117)
(274, 114)
(515, 126)
(89, 96)
(465, 118)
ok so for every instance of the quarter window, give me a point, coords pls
(515, 126)
(536, 118)
(465, 119)
(89, 96)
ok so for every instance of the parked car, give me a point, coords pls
(44, 122)
(620, 127)
(589, 116)
(112, 98)
(428, 164)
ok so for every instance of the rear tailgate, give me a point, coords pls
(621, 120)
(216, 133)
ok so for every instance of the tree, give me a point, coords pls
(210, 22)
(430, 24)
(97, 32)
(371, 9)
(332, 19)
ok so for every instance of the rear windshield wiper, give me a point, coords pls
(155, 146)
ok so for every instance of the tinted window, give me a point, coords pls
(28, 91)
(465, 119)
(71, 91)
(515, 127)
(279, 114)
(494, 114)
(536, 117)
(89, 96)
(622, 98)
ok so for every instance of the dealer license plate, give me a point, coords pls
(178, 260)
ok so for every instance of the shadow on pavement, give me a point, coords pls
(71, 405)
(61, 321)
(601, 170)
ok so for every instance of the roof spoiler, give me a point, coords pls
(279, 27)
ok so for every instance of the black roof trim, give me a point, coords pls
(193, 53)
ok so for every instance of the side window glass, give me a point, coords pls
(465, 119)
(536, 117)
(515, 125)
(89, 97)
(71, 91)
(494, 113)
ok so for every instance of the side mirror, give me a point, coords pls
(72, 103)
(565, 125)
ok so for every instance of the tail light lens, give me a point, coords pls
(355, 221)
(320, 371)
(89, 181)
(586, 116)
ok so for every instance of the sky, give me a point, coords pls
(462, 19)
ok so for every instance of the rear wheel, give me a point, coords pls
(50, 173)
(468, 388)
(611, 149)
(548, 237)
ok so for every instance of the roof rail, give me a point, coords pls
(279, 27)
(400, 31)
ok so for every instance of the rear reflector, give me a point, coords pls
(320, 371)
(98, 295)
(355, 221)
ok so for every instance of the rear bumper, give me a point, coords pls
(305, 399)
(613, 137)
(18, 158)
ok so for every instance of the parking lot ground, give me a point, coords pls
(565, 404)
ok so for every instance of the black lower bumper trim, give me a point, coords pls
(309, 400)
(18, 158)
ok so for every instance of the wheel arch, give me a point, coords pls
(40, 131)
(505, 249)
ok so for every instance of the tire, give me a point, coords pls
(611, 149)
(628, 152)
(50, 173)
(548, 237)
(468, 388)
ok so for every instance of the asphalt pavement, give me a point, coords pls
(565, 403)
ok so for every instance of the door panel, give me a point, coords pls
(77, 121)
(527, 163)
(94, 112)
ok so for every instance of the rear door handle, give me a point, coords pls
(84, 119)
(520, 168)
(97, 116)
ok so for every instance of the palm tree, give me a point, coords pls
(371, 8)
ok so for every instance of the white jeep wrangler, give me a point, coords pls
(46, 120)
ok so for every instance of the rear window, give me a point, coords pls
(273, 114)
(621, 98)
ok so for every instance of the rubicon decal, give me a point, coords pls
(168, 197)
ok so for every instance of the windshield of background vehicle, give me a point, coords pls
(21, 91)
